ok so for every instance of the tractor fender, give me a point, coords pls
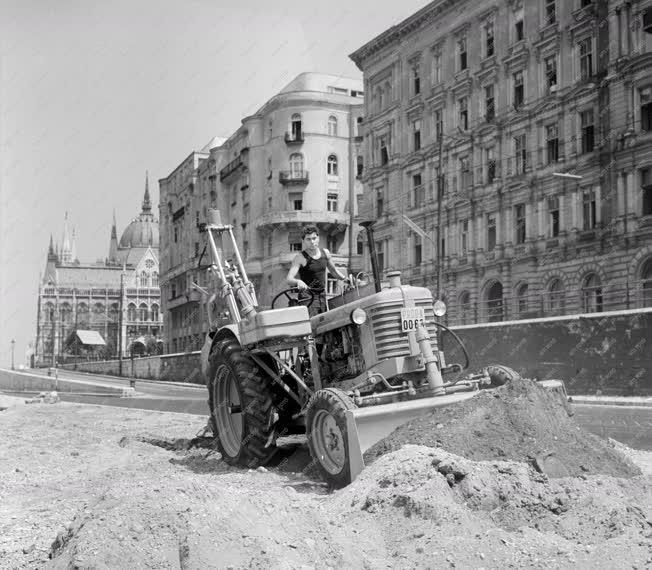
(211, 339)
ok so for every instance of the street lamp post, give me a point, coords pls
(13, 342)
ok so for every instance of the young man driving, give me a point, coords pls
(308, 270)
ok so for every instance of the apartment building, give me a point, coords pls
(297, 161)
(522, 131)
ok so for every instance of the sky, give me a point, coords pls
(93, 94)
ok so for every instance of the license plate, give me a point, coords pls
(411, 318)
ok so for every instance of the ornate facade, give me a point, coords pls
(522, 130)
(90, 296)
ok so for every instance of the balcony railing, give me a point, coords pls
(316, 217)
(293, 177)
(294, 138)
(231, 167)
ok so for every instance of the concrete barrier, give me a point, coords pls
(14, 381)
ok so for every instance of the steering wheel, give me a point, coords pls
(295, 301)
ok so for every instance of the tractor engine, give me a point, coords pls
(341, 356)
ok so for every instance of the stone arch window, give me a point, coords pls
(358, 126)
(332, 165)
(154, 278)
(495, 302)
(155, 313)
(591, 294)
(98, 309)
(131, 312)
(49, 312)
(332, 126)
(296, 165)
(144, 279)
(646, 283)
(65, 311)
(296, 127)
(556, 297)
(360, 244)
(359, 165)
(466, 310)
(523, 305)
(142, 312)
(114, 313)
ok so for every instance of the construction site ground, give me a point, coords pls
(85, 486)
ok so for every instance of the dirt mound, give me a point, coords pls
(520, 421)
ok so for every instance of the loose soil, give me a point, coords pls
(520, 421)
(95, 487)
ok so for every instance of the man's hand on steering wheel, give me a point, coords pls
(294, 301)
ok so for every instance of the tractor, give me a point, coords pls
(345, 378)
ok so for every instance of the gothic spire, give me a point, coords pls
(147, 205)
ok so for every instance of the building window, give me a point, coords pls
(466, 309)
(131, 310)
(491, 233)
(518, 25)
(646, 283)
(461, 51)
(296, 132)
(436, 68)
(359, 165)
(384, 153)
(490, 159)
(588, 209)
(552, 144)
(417, 250)
(489, 39)
(553, 216)
(332, 165)
(359, 244)
(142, 312)
(331, 244)
(592, 294)
(176, 234)
(550, 10)
(380, 202)
(418, 191)
(646, 189)
(519, 90)
(521, 295)
(466, 179)
(646, 107)
(585, 48)
(296, 201)
(519, 214)
(588, 133)
(550, 64)
(463, 113)
(520, 152)
(416, 79)
(296, 246)
(155, 279)
(489, 104)
(296, 165)
(332, 126)
(416, 134)
(464, 237)
(144, 279)
(556, 296)
(331, 204)
(439, 126)
(380, 254)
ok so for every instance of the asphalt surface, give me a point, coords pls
(631, 425)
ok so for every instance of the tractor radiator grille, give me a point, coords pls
(386, 322)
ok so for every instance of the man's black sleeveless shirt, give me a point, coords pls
(313, 272)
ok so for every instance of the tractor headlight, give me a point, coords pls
(358, 316)
(440, 308)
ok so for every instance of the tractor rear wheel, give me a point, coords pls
(501, 375)
(243, 415)
(327, 435)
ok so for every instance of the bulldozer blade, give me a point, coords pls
(367, 426)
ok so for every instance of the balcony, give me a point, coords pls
(326, 221)
(232, 167)
(291, 178)
(294, 138)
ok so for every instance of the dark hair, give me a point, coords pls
(309, 230)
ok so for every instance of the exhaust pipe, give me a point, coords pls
(372, 252)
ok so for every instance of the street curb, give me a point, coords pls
(15, 381)
(606, 401)
(135, 379)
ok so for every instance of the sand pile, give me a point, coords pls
(520, 421)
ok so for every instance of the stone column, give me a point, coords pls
(530, 221)
(620, 194)
(632, 195)
(574, 197)
(541, 224)
(598, 204)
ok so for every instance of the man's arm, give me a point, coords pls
(292, 280)
(334, 271)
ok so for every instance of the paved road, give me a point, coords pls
(630, 425)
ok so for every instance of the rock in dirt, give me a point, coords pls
(519, 421)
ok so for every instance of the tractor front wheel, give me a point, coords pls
(327, 435)
(243, 415)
